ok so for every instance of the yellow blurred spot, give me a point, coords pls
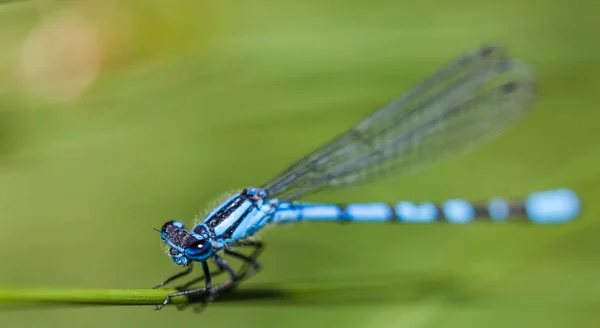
(115, 27)
(61, 57)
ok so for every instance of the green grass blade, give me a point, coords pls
(87, 296)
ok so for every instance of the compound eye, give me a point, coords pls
(200, 249)
(199, 246)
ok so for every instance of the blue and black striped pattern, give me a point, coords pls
(553, 206)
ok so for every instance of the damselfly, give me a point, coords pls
(470, 100)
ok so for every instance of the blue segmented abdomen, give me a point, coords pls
(551, 206)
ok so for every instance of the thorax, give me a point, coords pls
(240, 216)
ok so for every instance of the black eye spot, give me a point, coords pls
(198, 245)
(199, 249)
(173, 252)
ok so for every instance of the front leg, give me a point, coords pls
(211, 293)
(188, 269)
(225, 286)
(213, 274)
(207, 279)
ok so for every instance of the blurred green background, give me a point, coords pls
(115, 117)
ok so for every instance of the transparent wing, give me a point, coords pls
(470, 100)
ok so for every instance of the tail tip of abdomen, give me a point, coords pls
(553, 206)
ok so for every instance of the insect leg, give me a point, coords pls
(249, 260)
(215, 273)
(227, 285)
(188, 269)
(207, 289)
